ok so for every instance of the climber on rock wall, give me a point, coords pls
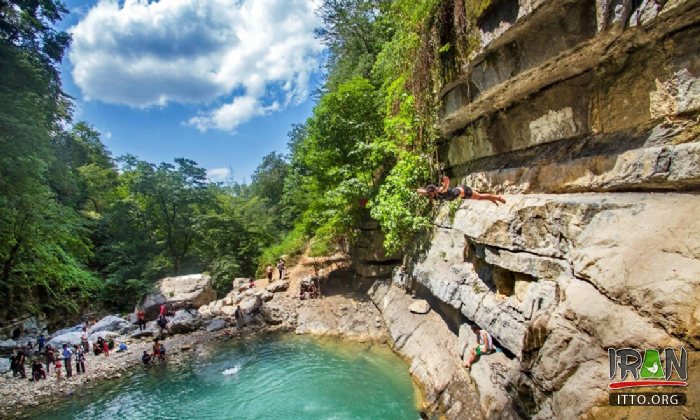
(445, 193)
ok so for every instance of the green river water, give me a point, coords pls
(272, 377)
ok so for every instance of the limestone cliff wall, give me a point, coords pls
(585, 115)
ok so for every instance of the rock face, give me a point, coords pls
(593, 137)
(433, 350)
(179, 292)
(340, 316)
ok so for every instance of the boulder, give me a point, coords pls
(71, 338)
(278, 286)
(216, 325)
(272, 315)
(4, 365)
(251, 305)
(7, 345)
(241, 283)
(307, 281)
(266, 296)
(108, 323)
(182, 292)
(143, 333)
(491, 374)
(228, 310)
(419, 306)
(127, 327)
(184, 322)
(67, 330)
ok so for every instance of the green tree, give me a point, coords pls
(171, 199)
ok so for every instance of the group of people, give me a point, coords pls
(308, 290)
(157, 355)
(281, 267)
(59, 360)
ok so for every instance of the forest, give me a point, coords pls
(81, 229)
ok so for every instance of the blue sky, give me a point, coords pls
(217, 81)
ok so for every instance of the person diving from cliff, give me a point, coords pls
(445, 193)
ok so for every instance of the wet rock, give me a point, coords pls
(278, 286)
(419, 307)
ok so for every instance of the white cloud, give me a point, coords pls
(244, 58)
(218, 174)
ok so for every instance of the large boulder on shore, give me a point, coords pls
(71, 338)
(109, 323)
(75, 328)
(7, 345)
(185, 321)
(179, 292)
(251, 304)
(4, 365)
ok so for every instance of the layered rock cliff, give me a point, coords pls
(585, 115)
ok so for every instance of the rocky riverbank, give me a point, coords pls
(268, 308)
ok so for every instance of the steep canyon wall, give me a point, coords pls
(585, 115)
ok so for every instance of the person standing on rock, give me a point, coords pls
(67, 359)
(445, 193)
(79, 359)
(57, 367)
(268, 271)
(13, 363)
(156, 349)
(238, 316)
(50, 357)
(85, 343)
(163, 310)
(41, 342)
(484, 346)
(21, 359)
(280, 268)
(141, 319)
